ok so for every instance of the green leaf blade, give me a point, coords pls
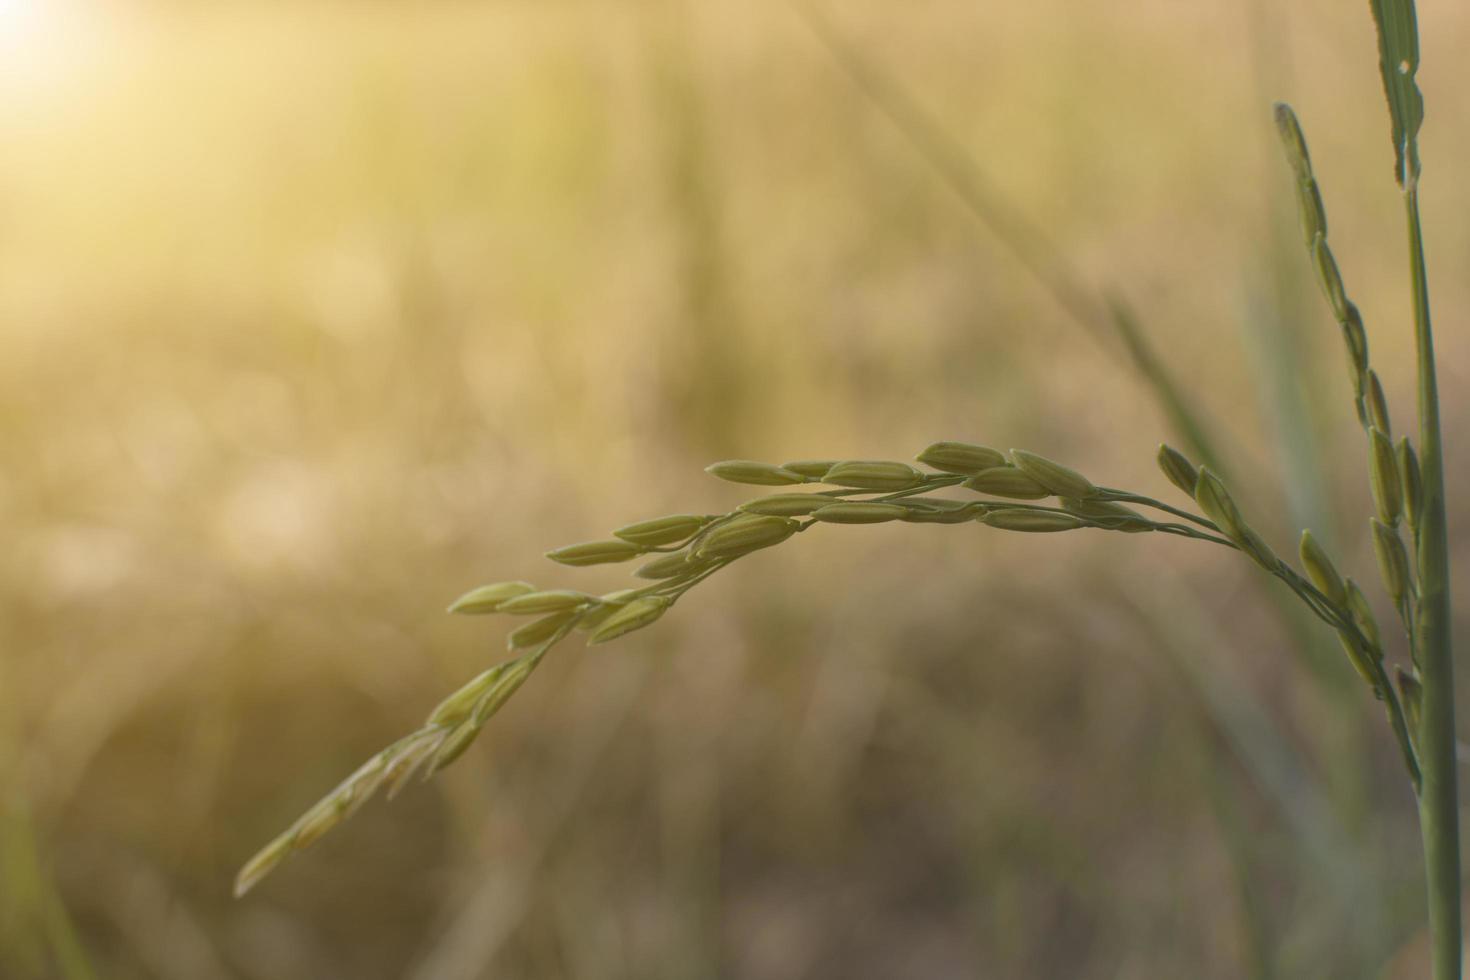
(1398, 61)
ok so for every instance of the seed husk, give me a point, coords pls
(919, 515)
(1063, 481)
(540, 630)
(746, 533)
(1260, 552)
(263, 863)
(407, 756)
(1412, 692)
(595, 552)
(1006, 481)
(860, 512)
(868, 474)
(961, 458)
(634, 616)
(1362, 615)
(488, 598)
(1362, 661)
(515, 675)
(1321, 570)
(936, 510)
(1411, 482)
(611, 603)
(315, 823)
(594, 618)
(1110, 513)
(1356, 338)
(552, 600)
(1292, 140)
(457, 707)
(938, 503)
(363, 783)
(1377, 404)
(813, 468)
(669, 566)
(1098, 508)
(1218, 505)
(663, 530)
(787, 504)
(1384, 470)
(1329, 278)
(1177, 467)
(1393, 561)
(1310, 210)
(754, 473)
(454, 745)
(1038, 521)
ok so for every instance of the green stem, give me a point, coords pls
(1123, 496)
(1439, 800)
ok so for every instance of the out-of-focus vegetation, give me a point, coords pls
(314, 315)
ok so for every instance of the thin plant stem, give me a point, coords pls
(1439, 799)
(1124, 497)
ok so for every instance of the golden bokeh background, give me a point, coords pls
(315, 314)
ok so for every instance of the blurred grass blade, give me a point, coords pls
(36, 928)
(1257, 936)
(1171, 399)
(1185, 630)
(1023, 237)
(953, 163)
(1285, 385)
(1398, 61)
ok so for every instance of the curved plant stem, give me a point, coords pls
(1438, 802)
(1124, 497)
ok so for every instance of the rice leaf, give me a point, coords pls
(1398, 61)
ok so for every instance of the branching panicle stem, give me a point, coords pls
(695, 548)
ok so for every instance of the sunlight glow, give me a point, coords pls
(24, 20)
(40, 41)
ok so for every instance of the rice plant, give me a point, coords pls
(963, 484)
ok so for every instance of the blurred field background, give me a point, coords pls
(314, 315)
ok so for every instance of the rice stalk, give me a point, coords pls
(865, 492)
